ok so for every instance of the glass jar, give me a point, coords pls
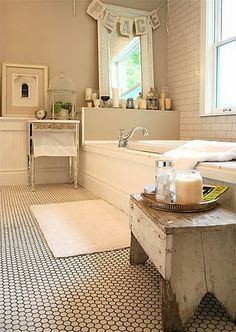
(188, 187)
(130, 103)
(165, 181)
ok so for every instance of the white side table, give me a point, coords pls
(49, 130)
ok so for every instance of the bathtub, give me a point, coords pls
(114, 173)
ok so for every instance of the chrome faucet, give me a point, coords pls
(123, 139)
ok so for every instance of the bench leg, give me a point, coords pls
(137, 254)
(171, 319)
(220, 257)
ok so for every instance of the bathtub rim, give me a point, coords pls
(220, 171)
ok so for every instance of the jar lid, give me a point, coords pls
(164, 163)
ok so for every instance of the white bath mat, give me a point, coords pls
(82, 227)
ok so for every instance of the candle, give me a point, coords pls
(142, 104)
(167, 103)
(88, 94)
(123, 105)
(94, 95)
(96, 102)
(136, 104)
(115, 97)
(188, 187)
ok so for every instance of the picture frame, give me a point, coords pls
(24, 89)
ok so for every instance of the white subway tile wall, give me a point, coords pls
(183, 75)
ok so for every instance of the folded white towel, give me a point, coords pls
(188, 155)
(53, 143)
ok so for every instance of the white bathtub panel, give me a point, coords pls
(115, 177)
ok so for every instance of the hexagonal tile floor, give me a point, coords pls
(95, 293)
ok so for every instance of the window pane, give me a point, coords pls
(226, 75)
(228, 19)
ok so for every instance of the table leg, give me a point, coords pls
(32, 173)
(137, 254)
(29, 170)
(70, 169)
(75, 172)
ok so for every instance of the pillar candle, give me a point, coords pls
(96, 102)
(142, 104)
(167, 103)
(115, 97)
(88, 94)
(188, 188)
(94, 95)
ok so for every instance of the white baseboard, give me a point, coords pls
(13, 178)
(43, 175)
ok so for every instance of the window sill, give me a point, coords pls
(218, 114)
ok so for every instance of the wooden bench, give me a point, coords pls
(195, 253)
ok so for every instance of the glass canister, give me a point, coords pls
(165, 181)
(188, 187)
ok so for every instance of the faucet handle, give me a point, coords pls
(121, 131)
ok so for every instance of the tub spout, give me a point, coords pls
(123, 139)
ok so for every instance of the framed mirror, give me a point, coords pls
(125, 61)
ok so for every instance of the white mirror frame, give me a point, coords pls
(104, 54)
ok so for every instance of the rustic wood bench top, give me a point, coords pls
(170, 222)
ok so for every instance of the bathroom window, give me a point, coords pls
(218, 56)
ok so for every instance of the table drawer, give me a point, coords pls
(151, 238)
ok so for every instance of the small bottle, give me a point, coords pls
(165, 181)
(142, 102)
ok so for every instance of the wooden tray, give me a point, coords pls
(150, 201)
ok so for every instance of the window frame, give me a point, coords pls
(210, 36)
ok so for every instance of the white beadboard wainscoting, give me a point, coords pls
(13, 157)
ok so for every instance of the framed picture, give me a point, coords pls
(24, 89)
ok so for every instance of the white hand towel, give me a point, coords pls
(188, 155)
(53, 143)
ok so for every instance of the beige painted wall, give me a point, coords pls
(46, 32)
